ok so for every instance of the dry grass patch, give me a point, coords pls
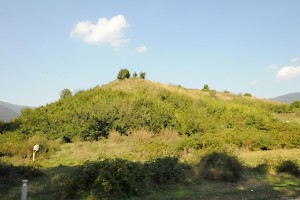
(140, 136)
(272, 157)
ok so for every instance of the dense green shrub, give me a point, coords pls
(120, 178)
(123, 74)
(295, 105)
(220, 166)
(261, 168)
(289, 167)
(136, 104)
(143, 75)
(65, 93)
(247, 95)
(134, 75)
(205, 87)
(165, 170)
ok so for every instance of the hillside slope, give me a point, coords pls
(209, 119)
(288, 98)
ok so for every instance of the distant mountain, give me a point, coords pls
(9, 111)
(288, 98)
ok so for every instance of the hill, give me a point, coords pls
(137, 138)
(288, 98)
(9, 111)
(137, 104)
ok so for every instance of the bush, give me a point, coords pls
(289, 167)
(295, 105)
(120, 178)
(165, 171)
(247, 95)
(123, 74)
(65, 93)
(205, 87)
(261, 168)
(143, 75)
(220, 166)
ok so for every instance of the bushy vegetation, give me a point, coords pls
(205, 121)
(123, 74)
(220, 166)
(141, 136)
(289, 167)
(121, 178)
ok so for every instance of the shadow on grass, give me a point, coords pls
(163, 178)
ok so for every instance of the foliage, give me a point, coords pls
(143, 75)
(120, 178)
(289, 167)
(165, 170)
(11, 175)
(205, 87)
(134, 75)
(65, 93)
(123, 74)
(295, 105)
(203, 121)
(247, 95)
(220, 166)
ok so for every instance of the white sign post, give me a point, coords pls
(24, 190)
(36, 148)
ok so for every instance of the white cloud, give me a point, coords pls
(295, 59)
(108, 31)
(252, 83)
(272, 67)
(288, 72)
(141, 49)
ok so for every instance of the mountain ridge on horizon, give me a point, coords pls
(9, 111)
(287, 98)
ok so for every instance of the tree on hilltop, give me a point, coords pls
(135, 75)
(205, 87)
(123, 74)
(143, 75)
(65, 93)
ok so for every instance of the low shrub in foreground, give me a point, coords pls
(289, 167)
(220, 166)
(121, 178)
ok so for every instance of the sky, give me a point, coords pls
(248, 46)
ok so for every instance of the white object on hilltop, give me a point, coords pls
(36, 148)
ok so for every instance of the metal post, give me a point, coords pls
(24, 190)
(33, 156)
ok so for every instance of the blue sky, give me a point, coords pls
(240, 46)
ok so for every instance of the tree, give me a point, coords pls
(135, 75)
(143, 75)
(205, 87)
(65, 93)
(247, 95)
(123, 74)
